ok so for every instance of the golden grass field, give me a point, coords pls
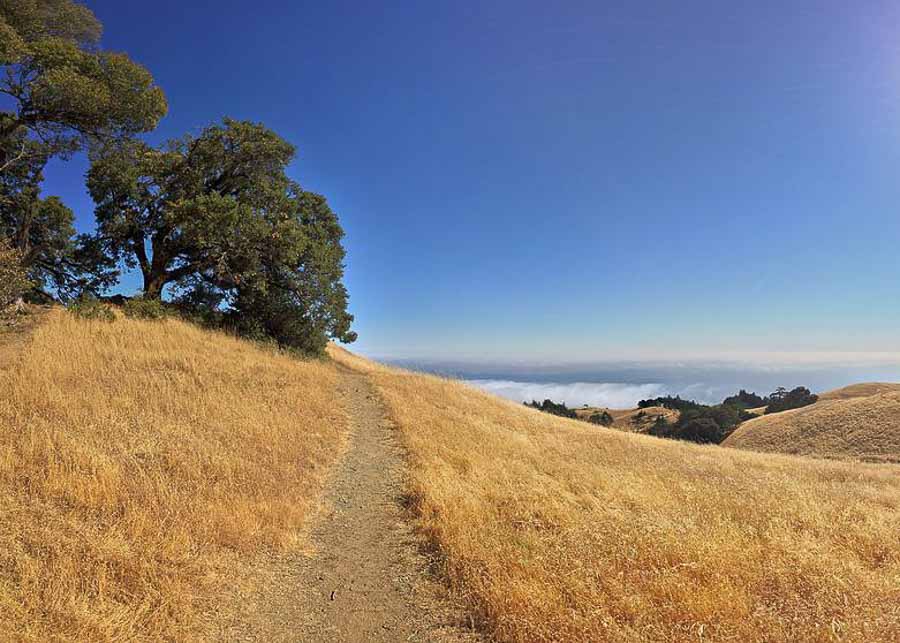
(860, 390)
(136, 460)
(555, 530)
(860, 422)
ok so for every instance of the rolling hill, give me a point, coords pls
(551, 529)
(142, 462)
(138, 460)
(860, 422)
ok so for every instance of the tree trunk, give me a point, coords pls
(153, 286)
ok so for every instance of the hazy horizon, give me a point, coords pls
(621, 384)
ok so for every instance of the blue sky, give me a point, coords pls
(577, 180)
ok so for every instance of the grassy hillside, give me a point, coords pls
(857, 422)
(136, 460)
(860, 390)
(554, 530)
(637, 420)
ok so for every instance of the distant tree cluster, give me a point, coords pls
(669, 402)
(212, 221)
(783, 400)
(713, 423)
(702, 423)
(553, 408)
(746, 400)
(603, 418)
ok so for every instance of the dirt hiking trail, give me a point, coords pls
(364, 579)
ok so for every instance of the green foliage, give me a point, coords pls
(140, 308)
(213, 217)
(13, 280)
(217, 218)
(603, 419)
(712, 424)
(91, 308)
(669, 402)
(783, 400)
(63, 90)
(42, 230)
(746, 400)
(560, 409)
(549, 406)
(696, 422)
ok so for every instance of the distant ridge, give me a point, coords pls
(858, 422)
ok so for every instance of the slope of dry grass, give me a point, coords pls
(860, 422)
(555, 530)
(860, 390)
(137, 459)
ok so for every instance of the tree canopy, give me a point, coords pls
(42, 231)
(783, 400)
(216, 217)
(63, 90)
(13, 279)
(212, 219)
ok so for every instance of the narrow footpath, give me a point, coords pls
(364, 578)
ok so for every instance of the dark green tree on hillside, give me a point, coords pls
(13, 280)
(783, 400)
(745, 400)
(41, 230)
(62, 91)
(602, 418)
(553, 408)
(216, 218)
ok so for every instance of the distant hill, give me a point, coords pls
(552, 529)
(635, 420)
(860, 390)
(860, 422)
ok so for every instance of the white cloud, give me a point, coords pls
(612, 395)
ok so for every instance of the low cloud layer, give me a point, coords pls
(612, 395)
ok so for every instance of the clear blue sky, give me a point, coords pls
(569, 180)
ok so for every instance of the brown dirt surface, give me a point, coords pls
(364, 576)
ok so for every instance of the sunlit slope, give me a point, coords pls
(556, 530)
(860, 422)
(138, 460)
(860, 390)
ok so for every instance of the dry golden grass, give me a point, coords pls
(860, 422)
(636, 420)
(860, 390)
(136, 460)
(15, 331)
(555, 530)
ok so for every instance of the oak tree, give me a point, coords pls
(216, 218)
(61, 89)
